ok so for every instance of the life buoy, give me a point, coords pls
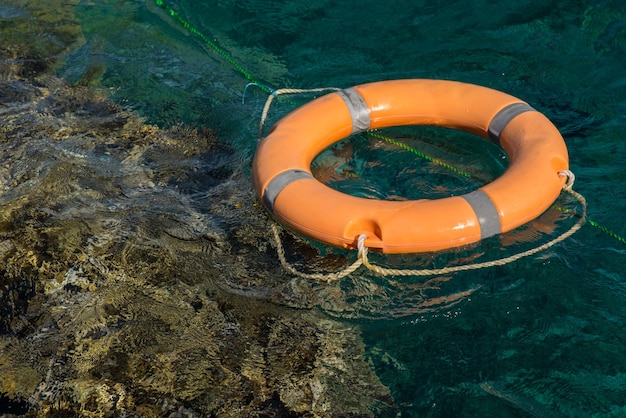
(531, 183)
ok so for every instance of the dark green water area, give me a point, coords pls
(138, 272)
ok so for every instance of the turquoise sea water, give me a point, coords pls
(540, 337)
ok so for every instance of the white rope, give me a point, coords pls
(569, 183)
(329, 277)
(276, 93)
(362, 250)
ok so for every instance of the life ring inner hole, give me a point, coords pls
(430, 163)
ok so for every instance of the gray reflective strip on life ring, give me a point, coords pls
(503, 117)
(359, 111)
(278, 183)
(486, 212)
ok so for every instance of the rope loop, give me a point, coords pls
(263, 87)
(328, 278)
(571, 177)
(362, 258)
(278, 92)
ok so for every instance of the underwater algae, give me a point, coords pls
(136, 277)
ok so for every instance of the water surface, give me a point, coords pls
(139, 272)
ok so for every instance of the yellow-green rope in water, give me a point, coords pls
(607, 231)
(420, 154)
(191, 29)
(222, 52)
(273, 93)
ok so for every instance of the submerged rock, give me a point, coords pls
(137, 277)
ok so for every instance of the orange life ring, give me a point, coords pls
(531, 183)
